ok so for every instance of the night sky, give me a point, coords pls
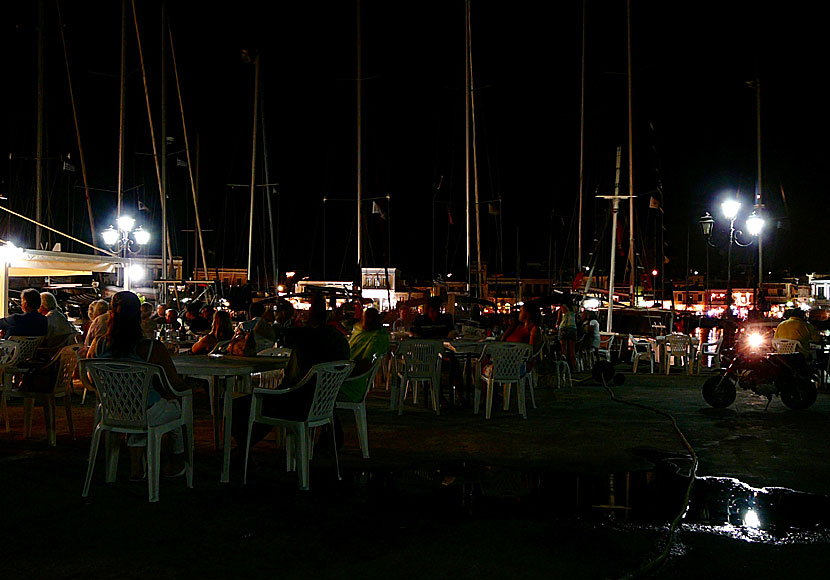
(694, 125)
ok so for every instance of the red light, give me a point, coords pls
(654, 272)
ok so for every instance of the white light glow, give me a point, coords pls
(751, 519)
(110, 236)
(290, 274)
(730, 208)
(125, 223)
(137, 272)
(10, 253)
(754, 224)
(591, 304)
(142, 236)
(755, 340)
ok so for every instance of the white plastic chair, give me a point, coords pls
(678, 347)
(8, 357)
(606, 343)
(508, 360)
(271, 379)
(26, 347)
(122, 388)
(67, 362)
(785, 345)
(359, 409)
(563, 375)
(329, 377)
(421, 364)
(643, 350)
(709, 349)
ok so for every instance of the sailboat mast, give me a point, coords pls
(253, 163)
(41, 23)
(581, 144)
(631, 265)
(479, 284)
(359, 151)
(121, 112)
(163, 79)
(467, 134)
(616, 210)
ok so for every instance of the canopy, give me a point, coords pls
(37, 263)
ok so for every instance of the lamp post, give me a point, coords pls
(754, 224)
(119, 241)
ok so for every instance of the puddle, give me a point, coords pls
(722, 506)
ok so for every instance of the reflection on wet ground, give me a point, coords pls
(721, 506)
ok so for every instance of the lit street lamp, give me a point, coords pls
(119, 241)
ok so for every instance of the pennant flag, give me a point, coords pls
(578, 281)
(142, 207)
(67, 166)
(449, 216)
(492, 209)
(181, 162)
(376, 210)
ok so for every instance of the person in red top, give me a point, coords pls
(527, 330)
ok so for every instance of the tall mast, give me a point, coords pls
(759, 204)
(253, 163)
(631, 265)
(121, 112)
(467, 133)
(479, 284)
(163, 78)
(581, 142)
(274, 260)
(359, 151)
(41, 23)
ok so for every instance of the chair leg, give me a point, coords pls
(251, 417)
(336, 454)
(531, 380)
(188, 440)
(362, 429)
(506, 396)
(49, 411)
(28, 407)
(111, 448)
(434, 383)
(67, 404)
(522, 400)
(303, 444)
(83, 397)
(290, 450)
(93, 453)
(153, 464)
(488, 406)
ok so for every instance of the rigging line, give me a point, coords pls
(77, 126)
(162, 193)
(187, 150)
(14, 213)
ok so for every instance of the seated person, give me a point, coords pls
(124, 341)
(98, 327)
(148, 325)
(171, 317)
(337, 321)
(369, 339)
(263, 332)
(207, 313)
(160, 314)
(31, 322)
(526, 329)
(195, 323)
(60, 331)
(795, 327)
(433, 324)
(404, 320)
(222, 330)
(314, 343)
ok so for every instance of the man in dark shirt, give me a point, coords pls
(31, 322)
(195, 323)
(434, 323)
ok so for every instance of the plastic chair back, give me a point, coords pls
(508, 359)
(68, 363)
(368, 376)
(27, 345)
(330, 377)
(8, 352)
(421, 357)
(785, 345)
(122, 390)
(678, 345)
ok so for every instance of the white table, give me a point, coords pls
(235, 367)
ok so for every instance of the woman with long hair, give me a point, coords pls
(369, 338)
(527, 330)
(124, 340)
(222, 330)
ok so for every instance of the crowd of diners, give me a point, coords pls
(127, 328)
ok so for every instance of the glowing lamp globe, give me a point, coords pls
(754, 224)
(730, 208)
(125, 223)
(141, 236)
(110, 236)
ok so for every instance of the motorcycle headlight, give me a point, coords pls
(755, 340)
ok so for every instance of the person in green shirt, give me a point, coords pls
(368, 339)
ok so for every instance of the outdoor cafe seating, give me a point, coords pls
(507, 362)
(359, 408)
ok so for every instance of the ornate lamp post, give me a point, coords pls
(119, 241)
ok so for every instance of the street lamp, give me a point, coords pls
(119, 241)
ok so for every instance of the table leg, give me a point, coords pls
(217, 385)
(227, 414)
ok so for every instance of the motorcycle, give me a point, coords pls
(757, 367)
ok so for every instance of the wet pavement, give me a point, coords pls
(584, 488)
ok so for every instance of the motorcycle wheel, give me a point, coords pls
(719, 391)
(797, 392)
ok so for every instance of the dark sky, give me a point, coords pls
(694, 124)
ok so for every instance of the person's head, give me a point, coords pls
(403, 312)
(797, 313)
(530, 314)
(161, 309)
(433, 308)
(47, 302)
(208, 312)
(124, 324)
(192, 309)
(371, 319)
(30, 300)
(316, 311)
(285, 311)
(222, 325)
(257, 309)
(171, 315)
(97, 308)
(146, 310)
